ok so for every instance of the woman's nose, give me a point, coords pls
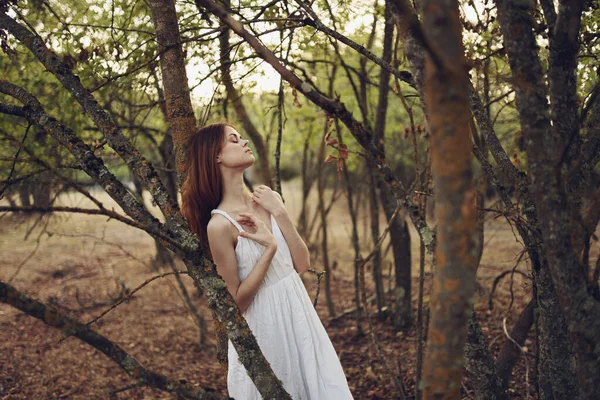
(246, 143)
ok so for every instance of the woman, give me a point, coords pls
(259, 254)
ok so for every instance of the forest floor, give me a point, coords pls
(86, 259)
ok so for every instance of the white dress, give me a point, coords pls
(287, 328)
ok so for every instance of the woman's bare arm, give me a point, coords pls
(223, 252)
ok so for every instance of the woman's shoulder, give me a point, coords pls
(218, 224)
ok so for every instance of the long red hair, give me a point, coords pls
(202, 189)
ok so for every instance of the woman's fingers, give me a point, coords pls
(248, 216)
(261, 189)
(254, 220)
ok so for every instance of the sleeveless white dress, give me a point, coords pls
(287, 328)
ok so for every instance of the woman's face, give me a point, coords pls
(235, 152)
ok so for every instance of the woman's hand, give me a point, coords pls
(269, 200)
(262, 235)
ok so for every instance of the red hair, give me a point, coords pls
(202, 189)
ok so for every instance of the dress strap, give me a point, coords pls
(233, 221)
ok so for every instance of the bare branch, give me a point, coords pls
(128, 364)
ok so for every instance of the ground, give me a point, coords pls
(86, 259)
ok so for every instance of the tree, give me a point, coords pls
(175, 233)
(543, 164)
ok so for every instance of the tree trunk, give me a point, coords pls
(376, 260)
(557, 378)
(25, 194)
(545, 147)
(180, 114)
(485, 380)
(400, 238)
(446, 90)
(352, 207)
(509, 353)
(42, 193)
(402, 315)
(323, 217)
(307, 183)
(554, 355)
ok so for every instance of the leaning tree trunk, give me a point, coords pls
(446, 90)
(509, 352)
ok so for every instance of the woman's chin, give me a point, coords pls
(250, 162)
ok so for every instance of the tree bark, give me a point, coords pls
(557, 374)
(563, 37)
(446, 90)
(399, 235)
(168, 174)
(308, 179)
(545, 148)
(400, 238)
(180, 114)
(485, 380)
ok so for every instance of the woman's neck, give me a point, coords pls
(235, 193)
